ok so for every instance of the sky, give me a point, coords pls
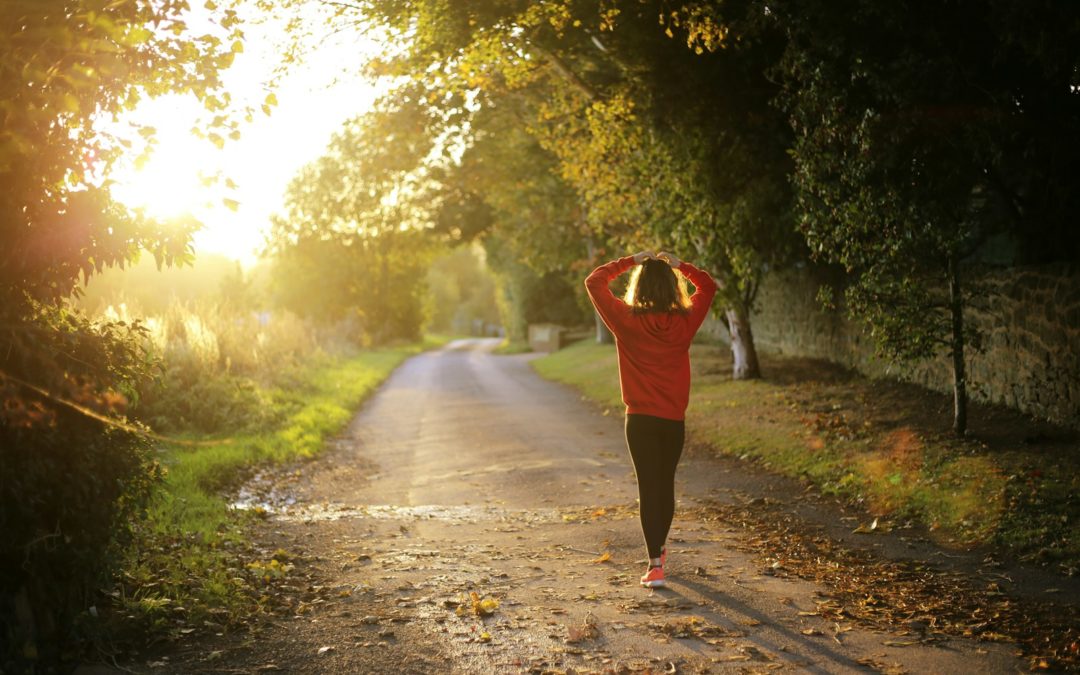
(314, 99)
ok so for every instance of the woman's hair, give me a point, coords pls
(655, 287)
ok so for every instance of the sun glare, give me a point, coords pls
(253, 172)
(170, 183)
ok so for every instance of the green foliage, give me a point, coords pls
(918, 138)
(461, 291)
(374, 285)
(588, 130)
(889, 188)
(526, 296)
(69, 485)
(64, 64)
(210, 358)
(921, 135)
(351, 247)
(68, 500)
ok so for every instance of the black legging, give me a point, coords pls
(655, 446)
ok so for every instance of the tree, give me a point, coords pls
(643, 129)
(918, 136)
(65, 64)
(525, 213)
(462, 291)
(73, 476)
(351, 245)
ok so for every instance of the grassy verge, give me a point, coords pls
(1013, 483)
(193, 568)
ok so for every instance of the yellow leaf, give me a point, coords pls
(483, 607)
(231, 204)
(485, 637)
(271, 99)
(603, 558)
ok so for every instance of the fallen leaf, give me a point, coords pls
(866, 529)
(480, 606)
(585, 631)
(606, 556)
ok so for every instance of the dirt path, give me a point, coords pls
(467, 473)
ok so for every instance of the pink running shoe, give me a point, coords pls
(654, 578)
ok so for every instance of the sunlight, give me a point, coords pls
(170, 183)
(253, 171)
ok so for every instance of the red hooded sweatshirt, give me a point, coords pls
(654, 347)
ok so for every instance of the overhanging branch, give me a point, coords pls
(564, 71)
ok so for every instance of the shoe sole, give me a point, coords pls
(654, 584)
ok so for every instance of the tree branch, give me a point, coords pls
(572, 78)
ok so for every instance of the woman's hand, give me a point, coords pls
(669, 258)
(643, 256)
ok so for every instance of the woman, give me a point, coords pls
(653, 327)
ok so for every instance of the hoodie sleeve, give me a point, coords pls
(611, 309)
(701, 300)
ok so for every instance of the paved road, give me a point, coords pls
(467, 473)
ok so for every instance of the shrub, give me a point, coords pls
(70, 484)
(211, 358)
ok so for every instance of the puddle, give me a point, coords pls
(288, 510)
(262, 494)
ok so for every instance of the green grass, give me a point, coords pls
(876, 443)
(319, 402)
(192, 565)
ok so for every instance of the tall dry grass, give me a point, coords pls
(216, 363)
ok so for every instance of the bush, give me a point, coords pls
(70, 484)
(212, 357)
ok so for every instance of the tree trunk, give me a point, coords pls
(956, 307)
(603, 335)
(745, 365)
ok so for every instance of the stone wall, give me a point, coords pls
(1030, 330)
